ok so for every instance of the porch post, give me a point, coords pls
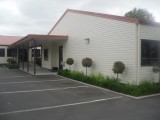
(34, 57)
(28, 58)
(23, 57)
(18, 56)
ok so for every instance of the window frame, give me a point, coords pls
(150, 56)
(46, 51)
(3, 52)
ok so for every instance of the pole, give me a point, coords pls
(23, 57)
(28, 58)
(34, 57)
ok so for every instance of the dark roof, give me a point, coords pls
(40, 37)
(8, 40)
(107, 16)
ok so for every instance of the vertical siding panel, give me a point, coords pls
(110, 41)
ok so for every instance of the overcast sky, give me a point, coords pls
(22, 17)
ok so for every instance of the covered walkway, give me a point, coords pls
(39, 69)
(41, 47)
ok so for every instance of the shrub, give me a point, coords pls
(11, 66)
(11, 61)
(156, 69)
(69, 62)
(87, 62)
(118, 67)
(38, 61)
(144, 88)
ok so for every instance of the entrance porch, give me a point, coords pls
(39, 54)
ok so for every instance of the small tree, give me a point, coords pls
(156, 69)
(139, 13)
(69, 62)
(87, 62)
(118, 68)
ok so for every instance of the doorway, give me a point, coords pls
(60, 57)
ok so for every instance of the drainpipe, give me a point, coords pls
(138, 53)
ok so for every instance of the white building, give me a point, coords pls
(5, 41)
(105, 39)
(111, 38)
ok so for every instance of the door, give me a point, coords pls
(60, 57)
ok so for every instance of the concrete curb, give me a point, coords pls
(133, 97)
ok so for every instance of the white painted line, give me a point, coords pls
(27, 91)
(16, 76)
(60, 106)
(38, 81)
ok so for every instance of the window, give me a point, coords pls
(45, 54)
(150, 52)
(2, 52)
(11, 52)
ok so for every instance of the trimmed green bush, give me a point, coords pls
(156, 69)
(38, 61)
(11, 66)
(118, 68)
(87, 62)
(69, 62)
(144, 88)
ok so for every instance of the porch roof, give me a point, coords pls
(38, 37)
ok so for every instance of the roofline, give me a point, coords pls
(102, 15)
(3, 45)
(30, 37)
(107, 16)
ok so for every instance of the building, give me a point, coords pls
(104, 38)
(5, 41)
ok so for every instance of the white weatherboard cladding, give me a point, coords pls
(4, 59)
(150, 33)
(110, 41)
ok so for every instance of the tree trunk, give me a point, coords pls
(159, 76)
(117, 75)
(86, 71)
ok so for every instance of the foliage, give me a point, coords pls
(11, 61)
(69, 61)
(145, 87)
(11, 66)
(38, 61)
(118, 67)
(87, 62)
(142, 14)
(156, 69)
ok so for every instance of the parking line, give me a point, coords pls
(27, 91)
(60, 106)
(31, 81)
(16, 76)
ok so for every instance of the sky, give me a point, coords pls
(22, 17)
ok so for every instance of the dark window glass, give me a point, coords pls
(37, 51)
(11, 52)
(150, 51)
(2, 52)
(45, 54)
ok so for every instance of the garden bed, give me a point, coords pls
(144, 88)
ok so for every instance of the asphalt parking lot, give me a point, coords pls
(50, 97)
